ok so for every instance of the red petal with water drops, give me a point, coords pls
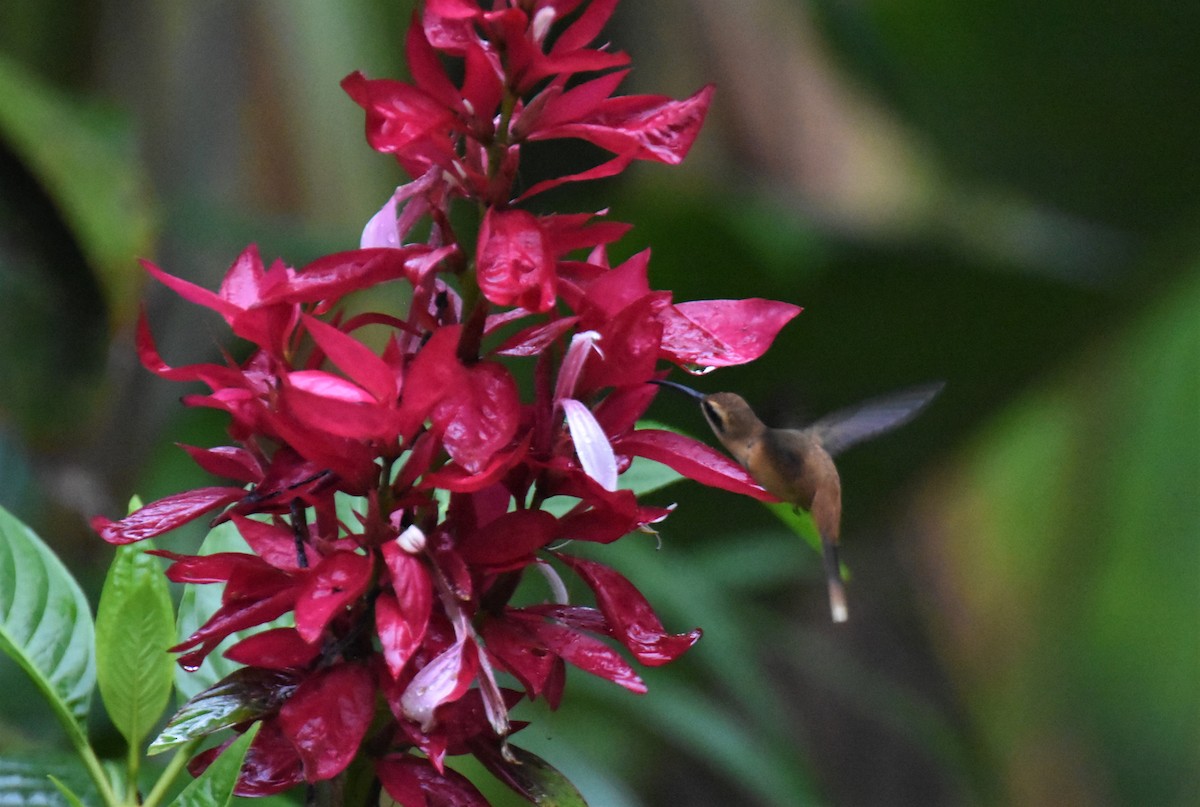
(165, 514)
(721, 333)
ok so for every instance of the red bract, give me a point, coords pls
(390, 476)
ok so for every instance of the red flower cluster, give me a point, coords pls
(410, 600)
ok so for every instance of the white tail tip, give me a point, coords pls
(833, 578)
(837, 603)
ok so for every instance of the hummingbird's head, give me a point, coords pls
(730, 417)
(728, 414)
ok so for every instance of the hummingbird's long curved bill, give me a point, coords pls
(662, 382)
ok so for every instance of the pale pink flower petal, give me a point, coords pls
(591, 444)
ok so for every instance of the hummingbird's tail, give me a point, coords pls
(833, 577)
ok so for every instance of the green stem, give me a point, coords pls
(173, 769)
(96, 771)
(132, 764)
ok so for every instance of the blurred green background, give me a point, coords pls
(1003, 195)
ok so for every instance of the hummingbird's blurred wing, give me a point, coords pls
(848, 427)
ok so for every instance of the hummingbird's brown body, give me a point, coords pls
(797, 464)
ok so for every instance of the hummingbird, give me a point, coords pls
(796, 465)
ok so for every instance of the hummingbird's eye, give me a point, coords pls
(713, 415)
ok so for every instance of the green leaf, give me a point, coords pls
(535, 779)
(85, 159)
(52, 780)
(45, 624)
(214, 787)
(66, 792)
(798, 521)
(244, 695)
(135, 625)
(1064, 567)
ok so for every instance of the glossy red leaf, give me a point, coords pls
(514, 264)
(274, 543)
(230, 618)
(230, 462)
(218, 567)
(516, 650)
(618, 288)
(630, 344)
(533, 340)
(336, 582)
(214, 375)
(271, 765)
(398, 636)
(327, 718)
(479, 415)
(693, 459)
(433, 373)
(587, 653)
(585, 28)
(629, 615)
(414, 782)
(598, 526)
(244, 299)
(428, 72)
(402, 615)
(457, 479)
(642, 127)
(397, 113)
(512, 537)
(275, 649)
(165, 514)
(353, 461)
(356, 360)
(336, 407)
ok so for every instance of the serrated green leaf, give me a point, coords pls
(214, 787)
(536, 779)
(135, 625)
(244, 695)
(45, 624)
